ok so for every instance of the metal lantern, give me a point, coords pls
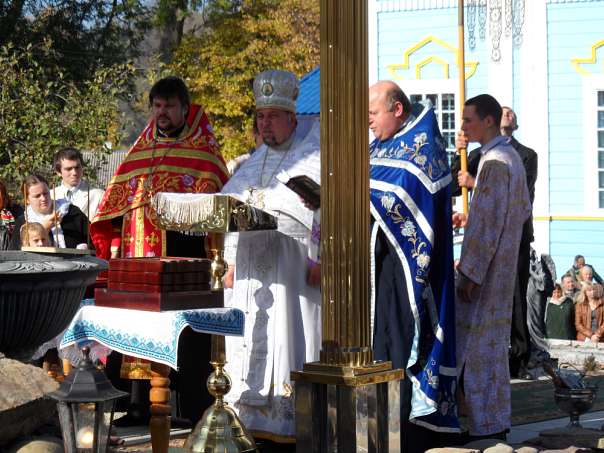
(85, 401)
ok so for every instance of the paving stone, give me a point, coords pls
(485, 444)
(452, 450)
(24, 405)
(499, 448)
(38, 445)
(562, 438)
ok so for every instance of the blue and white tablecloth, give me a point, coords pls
(147, 334)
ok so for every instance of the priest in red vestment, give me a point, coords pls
(176, 152)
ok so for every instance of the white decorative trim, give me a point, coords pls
(591, 85)
(372, 269)
(432, 187)
(571, 1)
(501, 72)
(413, 5)
(534, 111)
(407, 272)
(421, 220)
(372, 41)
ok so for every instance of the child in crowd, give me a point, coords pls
(34, 235)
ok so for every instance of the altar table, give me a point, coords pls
(153, 336)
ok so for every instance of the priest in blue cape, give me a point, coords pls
(412, 261)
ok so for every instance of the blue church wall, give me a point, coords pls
(572, 28)
(569, 238)
(399, 31)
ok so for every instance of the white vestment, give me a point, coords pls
(282, 313)
(83, 196)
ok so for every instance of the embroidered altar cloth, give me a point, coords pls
(148, 335)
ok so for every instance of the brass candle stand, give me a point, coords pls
(220, 429)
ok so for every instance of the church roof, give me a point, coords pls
(309, 100)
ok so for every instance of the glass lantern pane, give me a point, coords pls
(601, 198)
(415, 98)
(601, 160)
(84, 418)
(104, 418)
(601, 179)
(433, 99)
(600, 98)
(600, 139)
(601, 119)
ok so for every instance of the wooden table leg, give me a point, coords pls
(159, 396)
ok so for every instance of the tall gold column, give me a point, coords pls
(345, 182)
(346, 402)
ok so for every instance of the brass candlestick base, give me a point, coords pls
(220, 430)
(219, 267)
(215, 245)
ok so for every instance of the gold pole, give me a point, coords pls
(461, 64)
(88, 216)
(346, 343)
(333, 413)
(54, 208)
(26, 203)
(345, 170)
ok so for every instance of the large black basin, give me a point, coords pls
(39, 295)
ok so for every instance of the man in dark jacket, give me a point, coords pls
(520, 338)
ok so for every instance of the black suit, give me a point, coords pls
(74, 225)
(520, 337)
(529, 160)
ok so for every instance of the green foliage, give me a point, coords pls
(41, 111)
(84, 34)
(240, 39)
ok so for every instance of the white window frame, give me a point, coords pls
(591, 86)
(431, 86)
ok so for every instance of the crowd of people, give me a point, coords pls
(575, 310)
(460, 330)
(57, 215)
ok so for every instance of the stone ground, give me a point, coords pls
(27, 384)
(177, 443)
(522, 439)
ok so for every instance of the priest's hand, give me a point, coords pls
(595, 338)
(313, 274)
(465, 179)
(464, 288)
(459, 219)
(229, 277)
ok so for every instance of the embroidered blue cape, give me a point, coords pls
(411, 203)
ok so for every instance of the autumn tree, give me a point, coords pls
(85, 35)
(41, 110)
(239, 39)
